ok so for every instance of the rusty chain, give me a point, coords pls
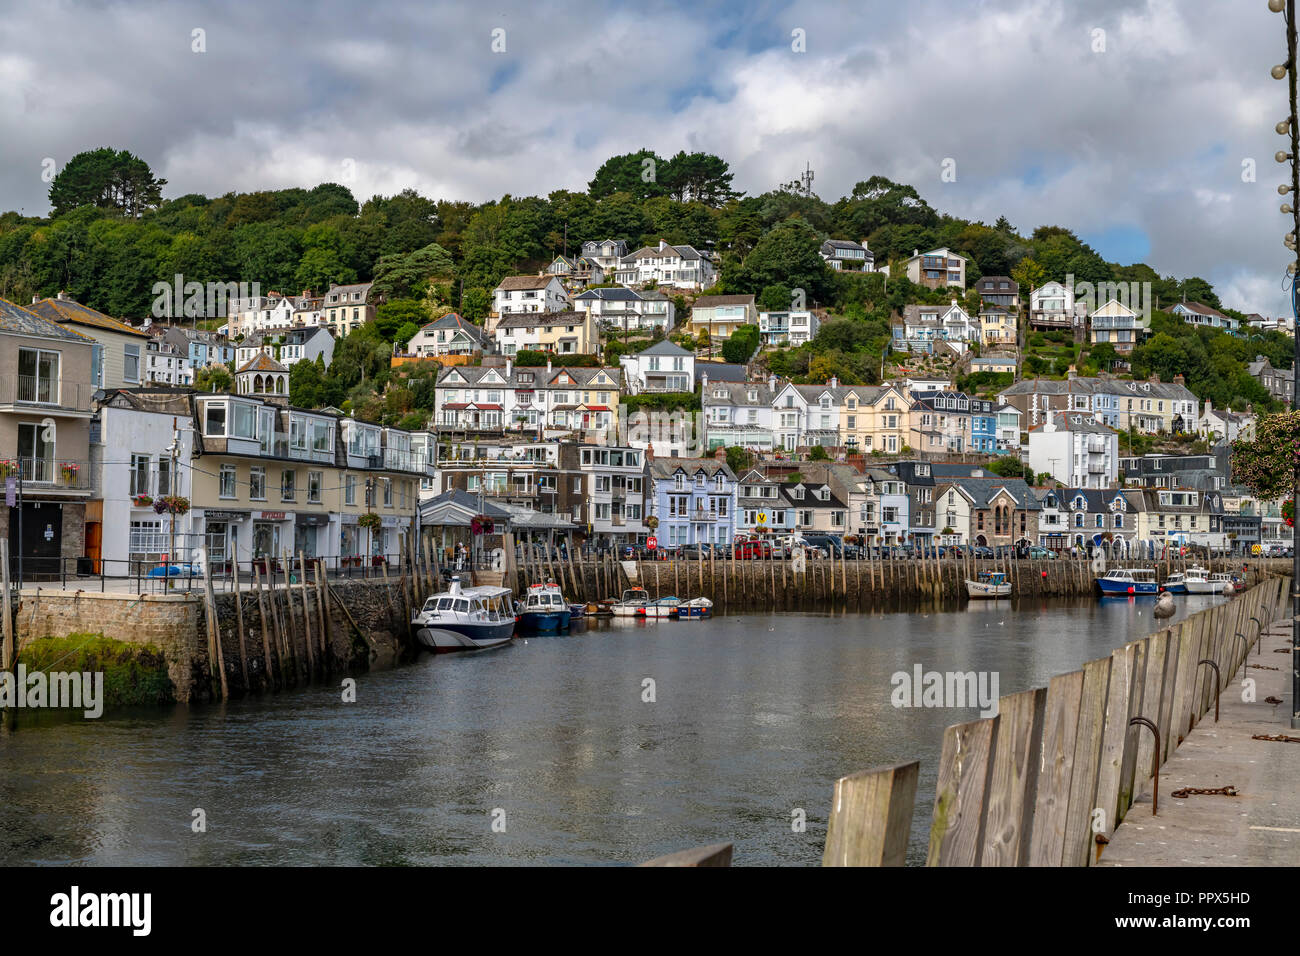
(1276, 738)
(1229, 791)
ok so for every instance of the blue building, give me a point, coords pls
(694, 499)
(983, 426)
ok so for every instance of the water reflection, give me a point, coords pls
(753, 717)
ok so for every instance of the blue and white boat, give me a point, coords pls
(664, 607)
(1126, 582)
(461, 619)
(544, 609)
(695, 607)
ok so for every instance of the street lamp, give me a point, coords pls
(1290, 128)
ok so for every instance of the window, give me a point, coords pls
(38, 375)
(164, 475)
(288, 479)
(226, 488)
(350, 490)
(139, 474)
(313, 486)
(131, 363)
(257, 483)
(388, 492)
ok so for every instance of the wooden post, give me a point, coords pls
(10, 643)
(306, 616)
(719, 854)
(214, 628)
(266, 638)
(239, 624)
(871, 817)
(289, 617)
(324, 619)
(957, 828)
(1014, 779)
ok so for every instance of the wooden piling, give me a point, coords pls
(871, 817)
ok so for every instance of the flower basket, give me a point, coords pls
(481, 524)
(370, 520)
(141, 501)
(1288, 512)
(69, 470)
(171, 504)
(8, 467)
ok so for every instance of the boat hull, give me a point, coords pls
(1177, 588)
(628, 610)
(1126, 588)
(692, 609)
(463, 637)
(540, 621)
(977, 590)
(662, 610)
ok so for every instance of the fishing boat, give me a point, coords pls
(632, 604)
(989, 584)
(1210, 584)
(695, 607)
(1123, 582)
(544, 609)
(465, 618)
(664, 607)
(1191, 581)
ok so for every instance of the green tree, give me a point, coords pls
(475, 304)
(392, 316)
(741, 344)
(634, 173)
(109, 179)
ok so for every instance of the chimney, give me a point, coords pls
(771, 382)
(704, 381)
(662, 244)
(915, 253)
(548, 366)
(721, 453)
(835, 381)
(1155, 378)
(509, 365)
(1179, 380)
(63, 296)
(35, 299)
(649, 452)
(1072, 373)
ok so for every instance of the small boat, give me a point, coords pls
(577, 611)
(1123, 582)
(696, 607)
(465, 618)
(544, 609)
(989, 584)
(664, 607)
(632, 604)
(1210, 584)
(1192, 581)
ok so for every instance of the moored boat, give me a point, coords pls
(1176, 583)
(544, 609)
(632, 604)
(989, 584)
(695, 607)
(1124, 582)
(1194, 580)
(465, 618)
(664, 607)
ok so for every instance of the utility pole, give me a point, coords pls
(171, 483)
(1288, 128)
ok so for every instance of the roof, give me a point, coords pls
(523, 283)
(14, 318)
(66, 310)
(529, 320)
(720, 372)
(667, 467)
(606, 294)
(737, 393)
(1074, 422)
(363, 287)
(454, 321)
(665, 347)
(982, 491)
(711, 301)
(261, 362)
(1200, 308)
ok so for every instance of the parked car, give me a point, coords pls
(1035, 553)
(751, 548)
(826, 545)
(982, 551)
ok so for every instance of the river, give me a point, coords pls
(541, 752)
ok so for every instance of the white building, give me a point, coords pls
(626, 309)
(1076, 450)
(663, 367)
(847, 256)
(165, 364)
(739, 414)
(517, 295)
(448, 335)
(306, 345)
(683, 267)
(937, 268)
(1223, 424)
(787, 328)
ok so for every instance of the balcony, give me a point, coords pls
(29, 392)
(49, 474)
(700, 514)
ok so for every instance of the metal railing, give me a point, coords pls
(46, 392)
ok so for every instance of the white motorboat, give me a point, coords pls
(989, 584)
(632, 604)
(1200, 581)
(664, 607)
(465, 618)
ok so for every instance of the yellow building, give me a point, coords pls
(874, 418)
(561, 333)
(997, 326)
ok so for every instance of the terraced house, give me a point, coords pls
(875, 418)
(557, 333)
(46, 391)
(738, 414)
(118, 359)
(682, 267)
(1180, 516)
(554, 401)
(694, 500)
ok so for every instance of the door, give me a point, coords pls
(40, 539)
(94, 544)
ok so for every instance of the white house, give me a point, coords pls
(448, 335)
(739, 414)
(1204, 316)
(683, 267)
(165, 364)
(787, 328)
(847, 256)
(306, 345)
(626, 309)
(1052, 306)
(807, 415)
(663, 367)
(1223, 424)
(923, 326)
(937, 268)
(606, 253)
(1076, 450)
(517, 295)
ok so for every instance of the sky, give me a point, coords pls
(1145, 126)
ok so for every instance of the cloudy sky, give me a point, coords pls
(1128, 121)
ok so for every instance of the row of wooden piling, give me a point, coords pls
(834, 583)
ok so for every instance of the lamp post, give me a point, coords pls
(1288, 128)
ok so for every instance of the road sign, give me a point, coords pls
(761, 517)
(651, 542)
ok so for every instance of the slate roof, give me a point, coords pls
(665, 347)
(524, 283)
(454, 321)
(532, 320)
(712, 301)
(14, 318)
(738, 394)
(619, 294)
(66, 310)
(983, 490)
(261, 362)
(1075, 422)
(667, 467)
(720, 372)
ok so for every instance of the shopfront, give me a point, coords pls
(221, 537)
(307, 534)
(272, 533)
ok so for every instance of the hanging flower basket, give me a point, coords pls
(69, 470)
(370, 520)
(1288, 512)
(481, 524)
(1267, 465)
(141, 501)
(171, 504)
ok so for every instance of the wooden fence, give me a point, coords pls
(1059, 766)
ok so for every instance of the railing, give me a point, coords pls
(49, 474)
(47, 393)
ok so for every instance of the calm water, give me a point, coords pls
(755, 716)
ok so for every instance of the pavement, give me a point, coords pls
(1260, 826)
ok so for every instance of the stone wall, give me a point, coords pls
(176, 625)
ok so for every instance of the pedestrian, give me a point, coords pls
(460, 556)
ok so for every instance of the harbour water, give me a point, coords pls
(546, 751)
